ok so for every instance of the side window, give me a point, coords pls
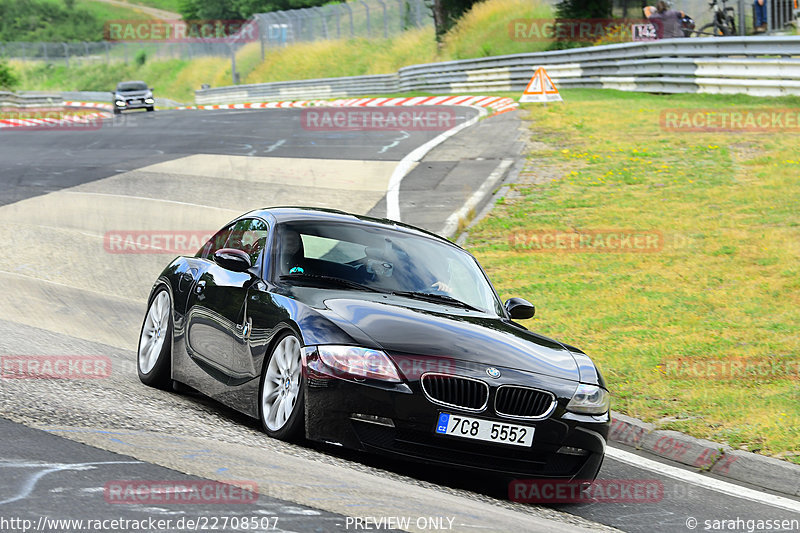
(250, 236)
(215, 243)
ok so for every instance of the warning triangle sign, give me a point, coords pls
(541, 89)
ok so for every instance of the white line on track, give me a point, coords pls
(700, 480)
(145, 198)
(402, 168)
(451, 224)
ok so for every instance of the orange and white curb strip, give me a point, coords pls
(497, 104)
(66, 119)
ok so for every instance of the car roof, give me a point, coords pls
(284, 214)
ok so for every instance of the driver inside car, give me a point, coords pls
(292, 255)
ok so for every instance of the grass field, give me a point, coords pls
(166, 5)
(724, 284)
(105, 12)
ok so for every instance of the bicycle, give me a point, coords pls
(724, 23)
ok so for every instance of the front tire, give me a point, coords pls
(153, 359)
(282, 398)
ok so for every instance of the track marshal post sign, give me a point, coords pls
(541, 89)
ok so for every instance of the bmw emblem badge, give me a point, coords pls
(493, 372)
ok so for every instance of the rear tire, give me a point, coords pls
(153, 360)
(281, 395)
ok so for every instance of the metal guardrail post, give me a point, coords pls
(401, 15)
(369, 28)
(385, 20)
(742, 20)
(769, 15)
(262, 29)
(350, 12)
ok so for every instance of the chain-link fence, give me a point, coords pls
(374, 19)
(362, 18)
(107, 52)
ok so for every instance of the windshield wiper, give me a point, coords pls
(436, 298)
(331, 279)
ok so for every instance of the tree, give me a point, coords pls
(447, 12)
(583, 9)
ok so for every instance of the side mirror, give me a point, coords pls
(519, 308)
(232, 259)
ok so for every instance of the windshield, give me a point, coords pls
(382, 260)
(132, 86)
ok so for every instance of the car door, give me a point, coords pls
(215, 316)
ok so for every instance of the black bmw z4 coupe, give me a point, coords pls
(376, 336)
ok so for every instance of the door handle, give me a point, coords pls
(201, 285)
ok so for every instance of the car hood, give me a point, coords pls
(133, 93)
(429, 330)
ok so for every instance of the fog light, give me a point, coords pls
(372, 419)
(569, 450)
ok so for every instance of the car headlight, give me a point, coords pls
(358, 362)
(590, 400)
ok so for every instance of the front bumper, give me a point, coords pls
(134, 103)
(402, 422)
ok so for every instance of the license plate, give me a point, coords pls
(467, 427)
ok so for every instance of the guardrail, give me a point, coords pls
(760, 66)
(25, 101)
(301, 89)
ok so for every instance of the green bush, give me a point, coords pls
(140, 58)
(8, 79)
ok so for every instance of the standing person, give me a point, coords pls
(666, 21)
(760, 22)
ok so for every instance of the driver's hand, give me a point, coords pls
(442, 286)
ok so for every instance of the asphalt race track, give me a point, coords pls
(70, 289)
